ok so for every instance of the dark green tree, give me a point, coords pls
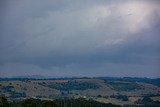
(3, 102)
(29, 103)
(49, 104)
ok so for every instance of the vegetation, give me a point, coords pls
(56, 103)
(129, 79)
(71, 85)
(3, 102)
(80, 102)
(120, 97)
(70, 91)
(144, 80)
(124, 86)
(145, 102)
(29, 103)
(17, 94)
(8, 88)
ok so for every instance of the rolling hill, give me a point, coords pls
(120, 91)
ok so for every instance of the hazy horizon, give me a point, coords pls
(65, 77)
(84, 38)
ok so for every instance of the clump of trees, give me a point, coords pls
(124, 86)
(3, 102)
(72, 85)
(8, 88)
(49, 104)
(18, 94)
(11, 90)
(29, 103)
(148, 102)
(81, 102)
(120, 97)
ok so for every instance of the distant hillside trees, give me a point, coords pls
(120, 97)
(147, 102)
(72, 85)
(124, 86)
(8, 88)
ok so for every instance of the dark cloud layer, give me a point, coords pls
(80, 38)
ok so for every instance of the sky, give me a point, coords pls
(67, 38)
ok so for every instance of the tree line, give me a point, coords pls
(81, 102)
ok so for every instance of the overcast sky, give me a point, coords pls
(61, 38)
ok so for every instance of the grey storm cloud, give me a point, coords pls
(80, 38)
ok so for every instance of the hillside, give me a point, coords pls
(118, 91)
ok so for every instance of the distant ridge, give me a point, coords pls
(155, 81)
